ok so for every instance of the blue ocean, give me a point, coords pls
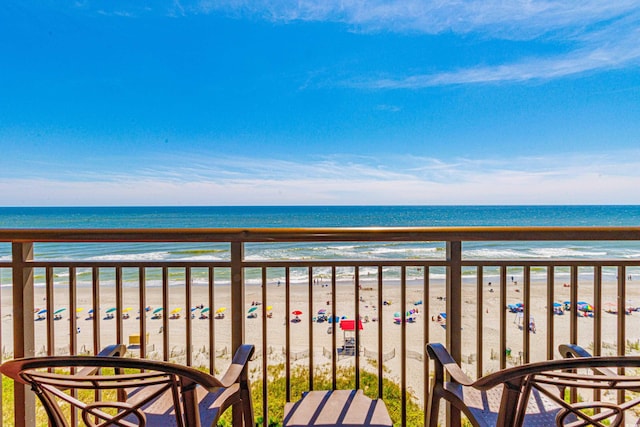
(323, 216)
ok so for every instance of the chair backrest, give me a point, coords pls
(110, 391)
(537, 390)
(549, 380)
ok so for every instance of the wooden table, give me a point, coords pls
(336, 408)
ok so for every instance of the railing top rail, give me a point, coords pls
(322, 234)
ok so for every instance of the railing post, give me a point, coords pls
(237, 308)
(454, 313)
(237, 295)
(23, 327)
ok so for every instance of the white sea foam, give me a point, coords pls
(145, 256)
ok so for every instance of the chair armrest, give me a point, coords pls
(573, 350)
(114, 350)
(444, 362)
(238, 365)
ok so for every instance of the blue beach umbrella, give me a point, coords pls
(252, 309)
(111, 310)
(157, 310)
(60, 310)
(41, 312)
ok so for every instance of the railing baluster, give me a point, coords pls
(380, 334)
(287, 319)
(310, 323)
(356, 323)
(165, 314)
(95, 306)
(142, 304)
(480, 319)
(573, 321)
(403, 345)
(119, 331)
(425, 360)
(188, 306)
(51, 342)
(265, 375)
(550, 312)
(503, 317)
(211, 320)
(334, 325)
(526, 315)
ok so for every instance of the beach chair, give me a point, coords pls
(534, 394)
(135, 392)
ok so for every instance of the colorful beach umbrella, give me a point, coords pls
(322, 311)
(252, 309)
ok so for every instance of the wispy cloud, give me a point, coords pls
(595, 35)
(404, 180)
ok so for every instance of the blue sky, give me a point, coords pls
(319, 102)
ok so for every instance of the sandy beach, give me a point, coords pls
(374, 317)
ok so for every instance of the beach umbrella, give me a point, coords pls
(296, 312)
(157, 310)
(128, 309)
(322, 311)
(79, 309)
(176, 310)
(204, 310)
(41, 312)
(269, 307)
(252, 309)
(396, 314)
(60, 310)
(221, 310)
(111, 310)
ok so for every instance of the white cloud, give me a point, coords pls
(410, 180)
(599, 35)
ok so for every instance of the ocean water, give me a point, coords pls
(323, 216)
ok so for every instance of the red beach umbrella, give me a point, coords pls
(296, 312)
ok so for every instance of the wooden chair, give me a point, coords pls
(533, 394)
(123, 392)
